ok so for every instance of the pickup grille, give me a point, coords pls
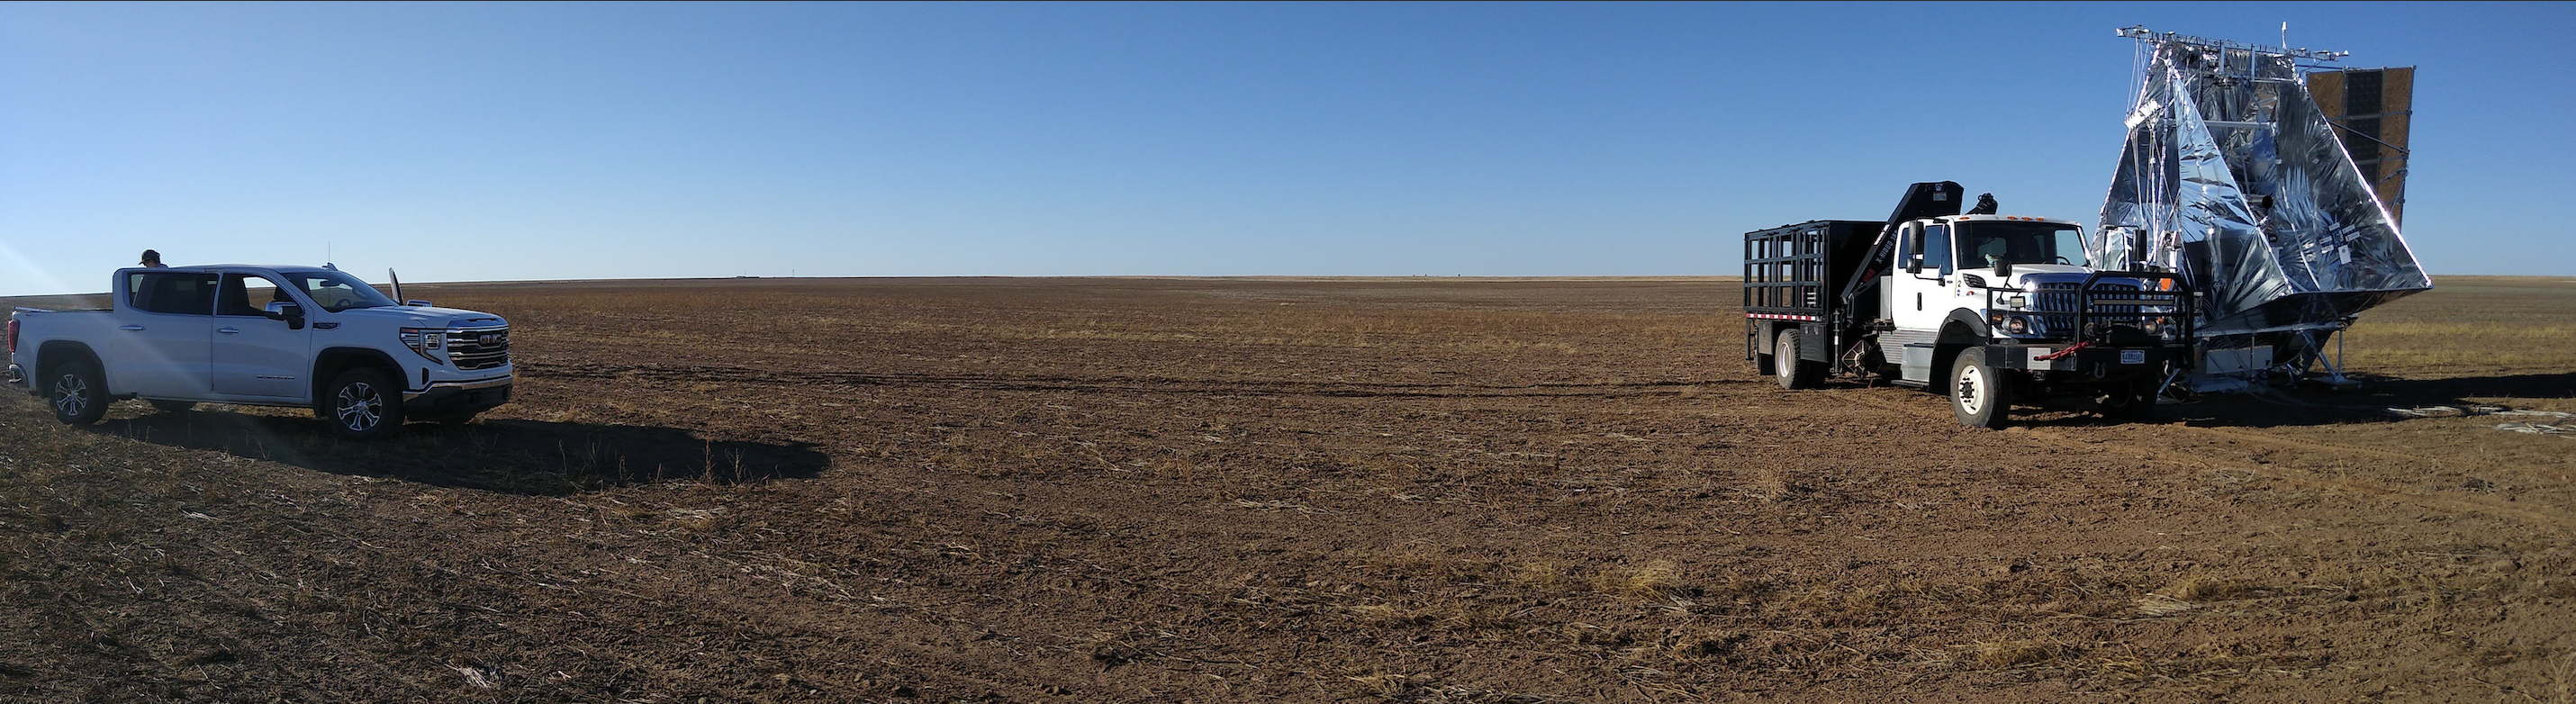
(478, 348)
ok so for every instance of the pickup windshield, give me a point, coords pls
(1988, 242)
(335, 291)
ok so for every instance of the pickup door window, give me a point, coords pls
(255, 357)
(161, 347)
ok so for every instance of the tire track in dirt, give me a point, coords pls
(2353, 485)
(2312, 446)
(1119, 385)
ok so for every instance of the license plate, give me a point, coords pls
(2133, 356)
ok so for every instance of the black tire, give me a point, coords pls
(77, 392)
(2130, 403)
(1794, 373)
(1980, 394)
(173, 406)
(360, 404)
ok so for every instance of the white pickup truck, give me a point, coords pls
(267, 336)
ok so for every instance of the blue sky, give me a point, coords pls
(508, 141)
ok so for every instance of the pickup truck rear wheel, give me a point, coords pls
(361, 404)
(77, 392)
(1981, 395)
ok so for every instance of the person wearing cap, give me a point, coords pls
(152, 259)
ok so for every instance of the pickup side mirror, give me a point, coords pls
(291, 313)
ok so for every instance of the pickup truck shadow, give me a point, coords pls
(2372, 402)
(512, 456)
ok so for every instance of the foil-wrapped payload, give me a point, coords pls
(2233, 178)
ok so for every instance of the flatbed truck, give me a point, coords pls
(1992, 310)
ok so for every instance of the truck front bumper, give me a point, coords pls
(451, 398)
(2096, 363)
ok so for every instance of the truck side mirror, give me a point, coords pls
(1914, 264)
(291, 313)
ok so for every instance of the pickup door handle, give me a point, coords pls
(129, 327)
(228, 331)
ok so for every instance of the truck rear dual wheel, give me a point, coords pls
(77, 392)
(1794, 373)
(361, 404)
(1980, 394)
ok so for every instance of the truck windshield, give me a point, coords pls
(335, 291)
(1988, 242)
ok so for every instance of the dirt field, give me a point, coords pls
(1409, 490)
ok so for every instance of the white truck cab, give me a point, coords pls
(1939, 255)
(264, 335)
(1987, 308)
(2014, 285)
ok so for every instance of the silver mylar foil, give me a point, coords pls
(2233, 178)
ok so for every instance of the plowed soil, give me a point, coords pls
(1410, 490)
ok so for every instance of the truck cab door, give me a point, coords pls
(1919, 295)
(257, 358)
(160, 346)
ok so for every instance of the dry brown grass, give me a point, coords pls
(2002, 654)
(1355, 493)
(2208, 588)
(1649, 582)
(2470, 325)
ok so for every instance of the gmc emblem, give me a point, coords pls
(488, 339)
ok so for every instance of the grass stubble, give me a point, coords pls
(92, 520)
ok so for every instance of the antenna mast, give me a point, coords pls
(2141, 33)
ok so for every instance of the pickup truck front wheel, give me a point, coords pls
(361, 404)
(78, 393)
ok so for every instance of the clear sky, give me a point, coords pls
(465, 142)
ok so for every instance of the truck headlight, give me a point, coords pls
(2164, 328)
(2017, 325)
(2015, 301)
(424, 341)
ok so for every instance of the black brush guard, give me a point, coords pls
(2103, 314)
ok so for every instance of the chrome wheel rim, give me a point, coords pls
(1971, 382)
(1784, 357)
(71, 395)
(359, 406)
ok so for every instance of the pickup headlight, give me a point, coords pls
(424, 341)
